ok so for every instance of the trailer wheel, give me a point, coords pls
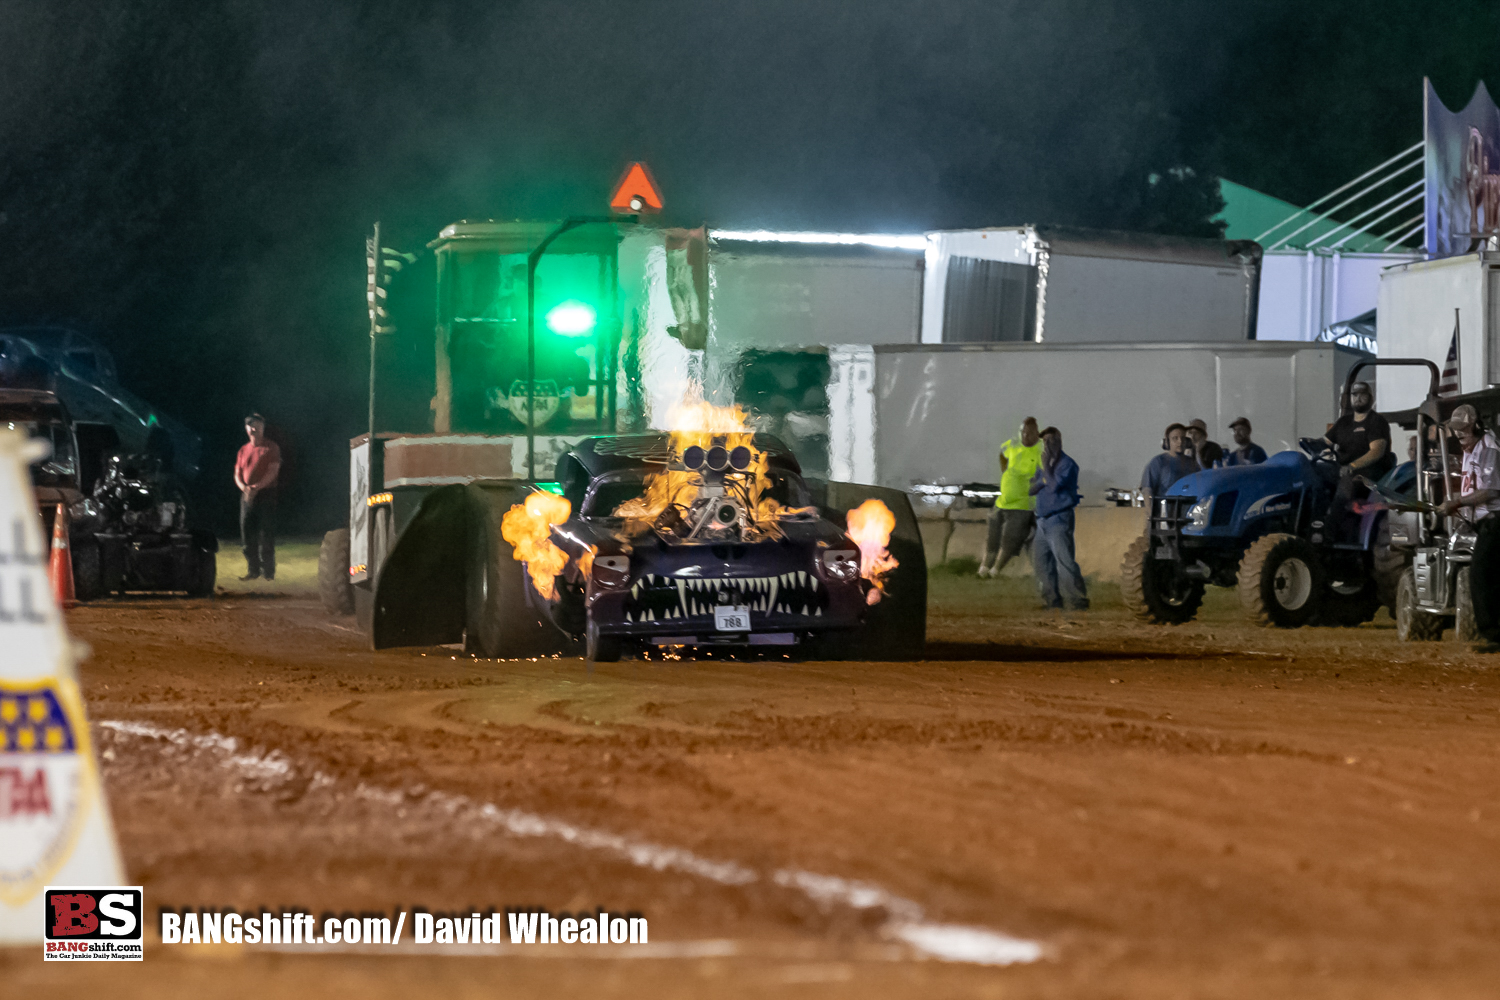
(602, 648)
(1152, 590)
(205, 573)
(88, 569)
(333, 573)
(1281, 581)
(1465, 629)
(1412, 623)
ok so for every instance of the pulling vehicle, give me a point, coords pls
(137, 535)
(133, 532)
(723, 561)
(1259, 528)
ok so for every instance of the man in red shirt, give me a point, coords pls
(255, 471)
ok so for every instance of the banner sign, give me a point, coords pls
(1462, 172)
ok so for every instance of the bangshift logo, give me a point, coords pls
(85, 924)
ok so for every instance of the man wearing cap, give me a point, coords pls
(1207, 453)
(1011, 520)
(1361, 442)
(1246, 452)
(1479, 494)
(255, 470)
(1479, 498)
(1165, 469)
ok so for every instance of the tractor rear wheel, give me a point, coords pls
(333, 573)
(1386, 564)
(1346, 605)
(1282, 581)
(1152, 589)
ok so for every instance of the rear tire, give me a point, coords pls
(1386, 564)
(602, 648)
(1349, 609)
(1465, 629)
(1282, 581)
(334, 588)
(88, 569)
(1412, 623)
(205, 570)
(1151, 589)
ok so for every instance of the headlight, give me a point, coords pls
(841, 564)
(611, 572)
(1198, 512)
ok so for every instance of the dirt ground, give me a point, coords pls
(1213, 810)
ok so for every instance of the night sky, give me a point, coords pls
(191, 182)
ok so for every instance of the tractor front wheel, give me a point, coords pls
(602, 648)
(334, 589)
(1412, 623)
(1152, 589)
(1465, 629)
(1282, 581)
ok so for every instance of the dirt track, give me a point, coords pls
(1212, 810)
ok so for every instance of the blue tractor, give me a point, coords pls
(1260, 529)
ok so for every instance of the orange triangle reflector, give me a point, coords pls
(636, 192)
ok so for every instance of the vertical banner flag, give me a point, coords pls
(1462, 172)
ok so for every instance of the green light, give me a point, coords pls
(571, 318)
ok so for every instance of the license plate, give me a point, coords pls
(732, 619)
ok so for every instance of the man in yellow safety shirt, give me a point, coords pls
(1012, 519)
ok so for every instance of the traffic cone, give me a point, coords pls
(61, 566)
(55, 827)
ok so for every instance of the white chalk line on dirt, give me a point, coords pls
(709, 948)
(906, 923)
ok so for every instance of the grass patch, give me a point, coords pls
(296, 569)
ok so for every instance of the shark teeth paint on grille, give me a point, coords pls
(654, 597)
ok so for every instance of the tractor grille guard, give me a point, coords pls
(1168, 517)
(1169, 514)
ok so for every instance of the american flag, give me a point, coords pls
(1448, 385)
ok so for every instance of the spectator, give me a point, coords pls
(255, 471)
(1479, 494)
(1207, 454)
(1011, 519)
(1055, 487)
(1478, 500)
(1170, 466)
(1246, 452)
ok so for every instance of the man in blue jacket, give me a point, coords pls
(1055, 487)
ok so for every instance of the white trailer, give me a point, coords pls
(1421, 304)
(1056, 285)
(936, 414)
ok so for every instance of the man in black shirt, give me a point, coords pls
(1362, 438)
(1362, 443)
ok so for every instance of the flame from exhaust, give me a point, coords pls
(528, 528)
(870, 526)
(695, 421)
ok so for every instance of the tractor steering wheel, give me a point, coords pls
(1319, 450)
